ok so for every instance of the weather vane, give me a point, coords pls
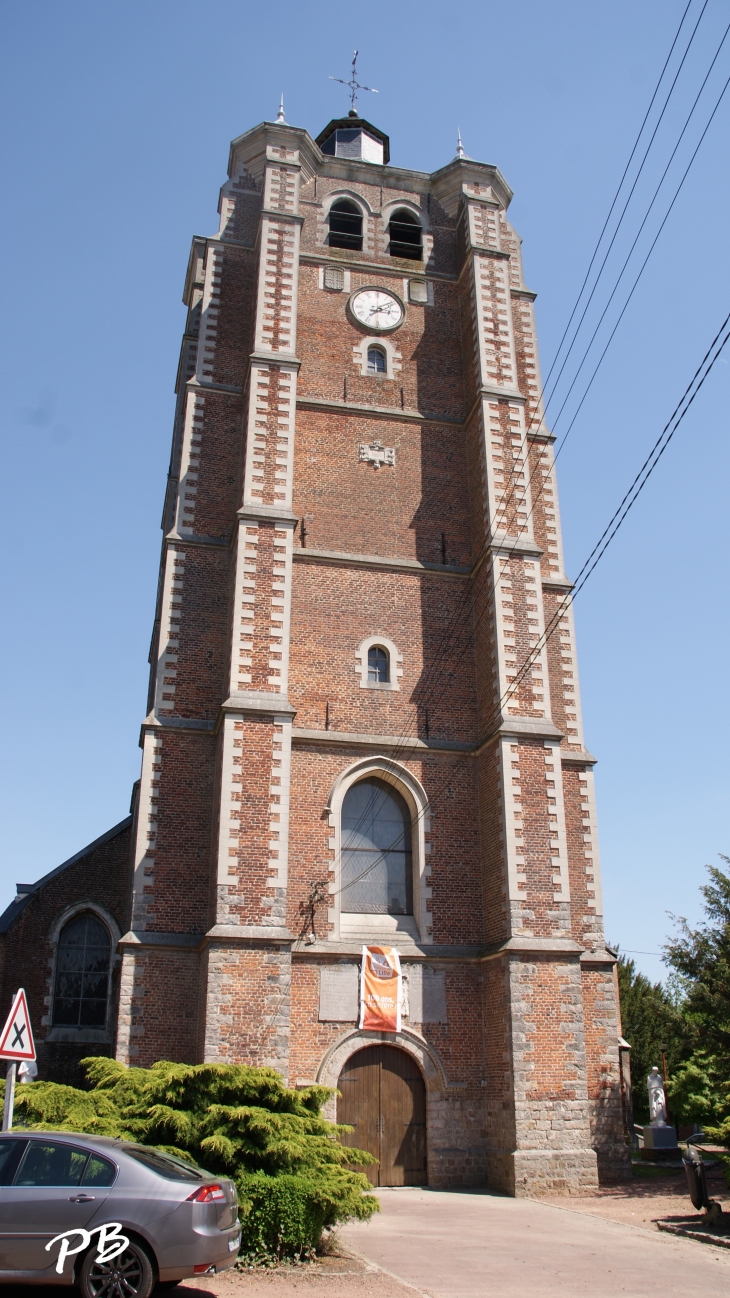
(353, 84)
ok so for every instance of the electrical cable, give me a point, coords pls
(536, 497)
(620, 184)
(635, 183)
(448, 637)
(641, 227)
(637, 486)
(612, 527)
(641, 270)
(466, 599)
(613, 204)
(525, 440)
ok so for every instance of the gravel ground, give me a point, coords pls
(340, 1276)
(653, 1194)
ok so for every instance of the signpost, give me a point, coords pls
(16, 1043)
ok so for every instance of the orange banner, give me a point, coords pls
(380, 989)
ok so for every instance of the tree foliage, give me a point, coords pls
(701, 956)
(294, 1177)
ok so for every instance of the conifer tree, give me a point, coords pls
(701, 957)
(294, 1176)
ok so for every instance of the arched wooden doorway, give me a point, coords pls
(383, 1096)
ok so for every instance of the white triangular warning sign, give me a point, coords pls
(16, 1041)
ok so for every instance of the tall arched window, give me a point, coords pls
(82, 974)
(377, 362)
(378, 665)
(377, 865)
(406, 236)
(345, 225)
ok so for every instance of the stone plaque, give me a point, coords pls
(376, 454)
(426, 995)
(418, 290)
(334, 278)
(339, 988)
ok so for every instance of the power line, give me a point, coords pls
(638, 234)
(626, 950)
(626, 504)
(536, 497)
(633, 492)
(613, 204)
(640, 273)
(617, 519)
(620, 184)
(633, 187)
(464, 607)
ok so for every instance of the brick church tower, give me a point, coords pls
(361, 549)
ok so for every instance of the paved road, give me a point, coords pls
(451, 1245)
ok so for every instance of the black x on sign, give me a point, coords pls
(16, 1041)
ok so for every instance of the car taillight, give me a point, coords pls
(208, 1194)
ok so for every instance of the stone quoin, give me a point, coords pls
(342, 745)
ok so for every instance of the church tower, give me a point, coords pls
(361, 552)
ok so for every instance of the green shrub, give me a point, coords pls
(284, 1216)
(294, 1177)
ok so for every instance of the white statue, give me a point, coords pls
(657, 1099)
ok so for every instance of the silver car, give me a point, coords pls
(179, 1220)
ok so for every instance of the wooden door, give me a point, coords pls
(383, 1097)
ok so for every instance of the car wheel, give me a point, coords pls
(130, 1275)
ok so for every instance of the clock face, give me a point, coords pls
(377, 309)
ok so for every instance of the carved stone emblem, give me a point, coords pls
(376, 454)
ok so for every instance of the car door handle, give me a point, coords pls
(81, 1198)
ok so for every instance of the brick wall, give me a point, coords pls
(284, 553)
(97, 878)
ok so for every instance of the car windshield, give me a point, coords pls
(167, 1165)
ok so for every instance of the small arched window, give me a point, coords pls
(378, 665)
(82, 974)
(406, 236)
(377, 363)
(377, 868)
(345, 225)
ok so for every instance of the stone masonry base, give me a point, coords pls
(526, 1173)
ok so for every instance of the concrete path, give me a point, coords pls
(451, 1245)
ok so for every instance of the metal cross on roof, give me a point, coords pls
(353, 84)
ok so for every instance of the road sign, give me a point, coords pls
(16, 1041)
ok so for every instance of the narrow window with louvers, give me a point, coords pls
(405, 234)
(345, 225)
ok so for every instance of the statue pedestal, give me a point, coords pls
(660, 1143)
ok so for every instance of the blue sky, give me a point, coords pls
(117, 119)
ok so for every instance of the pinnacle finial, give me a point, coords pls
(280, 115)
(459, 146)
